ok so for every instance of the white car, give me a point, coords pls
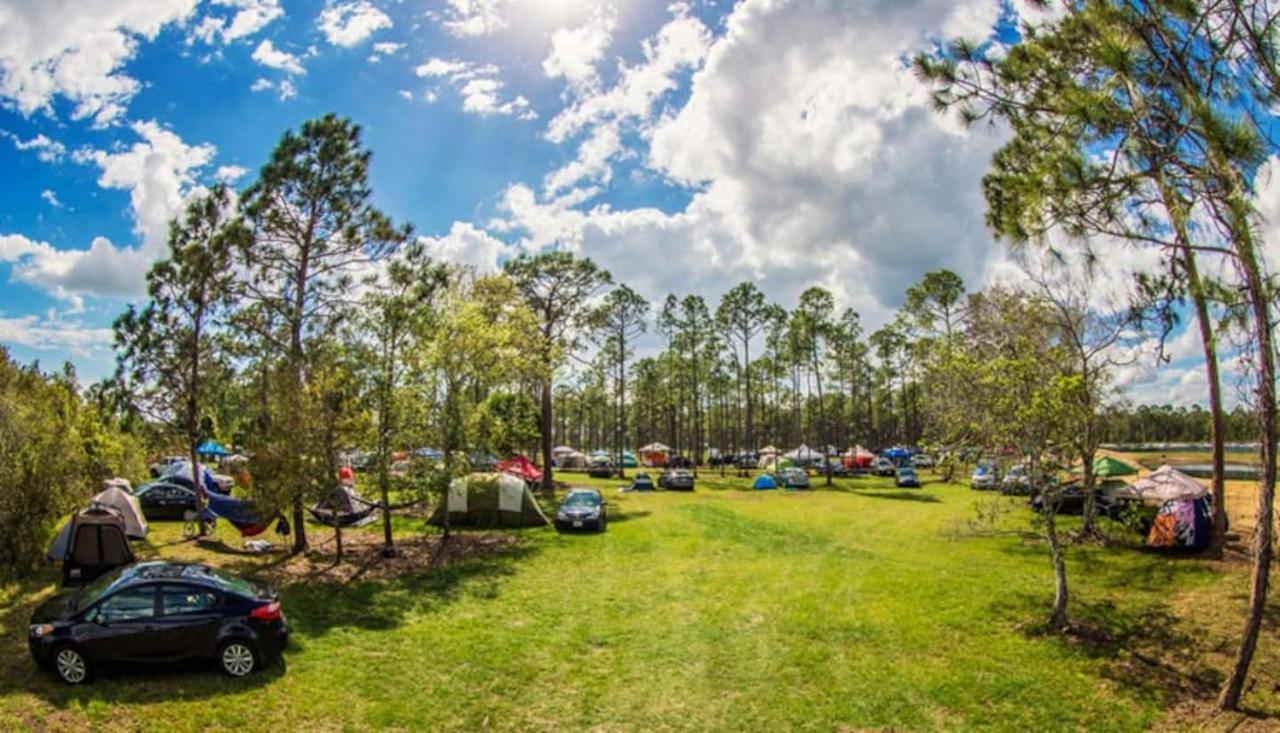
(922, 460)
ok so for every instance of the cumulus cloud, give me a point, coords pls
(273, 58)
(250, 17)
(350, 22)
(470, 18)
(159, 171)
(230, 173)
(575, 51)
(51, 198)
(383, 49)
(466, 245)
(47, 150)
(482, 92)
(49, 334)
(76, 49)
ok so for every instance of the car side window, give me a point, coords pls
(128, 605)
(176, 600)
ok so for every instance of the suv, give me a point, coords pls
(1017, 481)
(922, 460)
(885, 467)
(985, 476)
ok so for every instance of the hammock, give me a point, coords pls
(345, 508)
(238, 513)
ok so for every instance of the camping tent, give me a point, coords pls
(126, 505)
(629, 460)
(90, 544)
(522, 468)
(773, 462)
(655, 454)
(562, 450)
(1163, 485)
(490, 500)
(1107, 467)
(574, 460)
(212, 449)
(804, 453)
(345, 507)
(180, 473)
(764, 482)
(859, 457)
(768, 449)
(899, 456)
(1183, 523)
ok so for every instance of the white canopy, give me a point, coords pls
(656, 448)
(562, 450)
(768, 449)
(804, 453)
(1164, 484)
(114, 497)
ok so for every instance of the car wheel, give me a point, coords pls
(70, 665)
(237, 658)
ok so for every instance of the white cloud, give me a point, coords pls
(384, 48)
(76, 49)
(350, 22)
(466, 245)
(47, 150)
(48, 334)
(250, 17)
(273, 58)
(51, 198)
(481, 90)
(159, 172)
(287, 90)
(469, 18)
(230, 173)
(262, 85)
(575, 51)
(406, 95)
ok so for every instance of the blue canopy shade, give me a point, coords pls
(212, 448)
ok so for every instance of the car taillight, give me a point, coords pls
(267, 612)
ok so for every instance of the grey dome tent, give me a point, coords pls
(490, 501)
(125, 504)
(90, 544)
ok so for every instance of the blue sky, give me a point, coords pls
(684, 145)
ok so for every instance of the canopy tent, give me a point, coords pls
(344, 507)
(768, 449)
(803, 453)
(126, 505)
(522, 468)
(764, 482)
(655, 454)
(571, 460)
(600, 458)
(212, 448)
(898, 455)
(1163, 485)
(562, 450)
(90, 544)
(1107, 467)
(490, 500)
(656, 448)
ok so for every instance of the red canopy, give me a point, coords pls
(521, 467)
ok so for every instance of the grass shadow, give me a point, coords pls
(917, 496)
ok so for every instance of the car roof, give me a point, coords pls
(595, 492)
(161, 570)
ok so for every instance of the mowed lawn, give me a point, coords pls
(726, 609)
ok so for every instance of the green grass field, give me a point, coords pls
(859, 607)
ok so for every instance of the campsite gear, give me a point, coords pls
(764, 482)
(773, 462)
(257, 546)
(490, 500)
(1163, 485)
(344, 507)
(582, 509)
(180, 473)
(92, 543)
(239, 513)
(859, 458)
(522, 468)
(127, 506)
(159, 611)
(1107, 467)
(346, 475)
(1183, 524)
(655, 454)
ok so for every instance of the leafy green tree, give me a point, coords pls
(811, 322)
(167, 353)
(315, 229)
(741, 316)
(559, 289)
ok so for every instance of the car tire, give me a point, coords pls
(70, 665)
(237, 658)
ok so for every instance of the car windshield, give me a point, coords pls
(233, 583)
(582, 499)
(90, 593)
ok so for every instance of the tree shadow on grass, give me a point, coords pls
(915, 495)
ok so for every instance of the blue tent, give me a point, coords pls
(238, 512)
(899, 456)
(212, 448)
(180, 473)
(764, 482)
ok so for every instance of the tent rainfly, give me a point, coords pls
(126, 505)
(656, 448)
(562, 450)
(1164, 484)
(1107, 467)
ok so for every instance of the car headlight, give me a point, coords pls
(562, 514)
(41, 630)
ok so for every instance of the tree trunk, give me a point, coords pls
(384, 446)
(548, 481)
(1217, 430)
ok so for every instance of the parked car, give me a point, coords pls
(642, 482)
(162, 500)
(162, 466)
(922, 460)
(676, 479)
(906, 476)
(582, 509)
(745, 462)
(792, 478)
(680, 462)
(156, 612)
(986, 476)
(1016, 481)
(884, 467)
(601, 470)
